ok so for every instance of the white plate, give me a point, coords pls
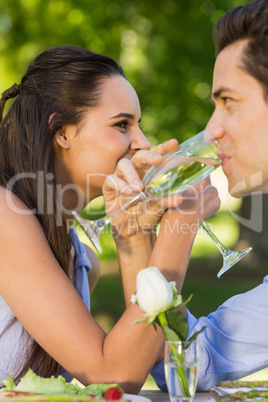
(136, 398)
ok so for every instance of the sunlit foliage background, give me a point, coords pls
(164, 46)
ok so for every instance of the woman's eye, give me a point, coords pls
(122, 124)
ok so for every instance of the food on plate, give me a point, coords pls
(240, 390)
(35, 388)
(113, 394)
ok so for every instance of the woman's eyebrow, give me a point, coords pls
(125, 114)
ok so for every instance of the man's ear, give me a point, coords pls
(61, 138)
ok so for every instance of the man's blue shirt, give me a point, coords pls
(235, 341)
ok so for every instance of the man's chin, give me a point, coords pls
(238, 194)
(243, 189)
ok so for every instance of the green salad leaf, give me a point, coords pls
(31, 382)
(9, 384)
(98, 389)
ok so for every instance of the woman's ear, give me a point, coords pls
(64, 133)
(61, 138)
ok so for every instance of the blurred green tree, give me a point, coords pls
(164, 46)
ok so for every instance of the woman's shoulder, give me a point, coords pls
(14, 211)
(9, 201)
(20, 231)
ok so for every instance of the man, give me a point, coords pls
(235, 342)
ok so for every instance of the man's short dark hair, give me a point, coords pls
(248, 22)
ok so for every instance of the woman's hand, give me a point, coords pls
(127, 182)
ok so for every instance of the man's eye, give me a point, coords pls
(226, 99)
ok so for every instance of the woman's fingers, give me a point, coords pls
(126, 170)
(144, 158)
(117, 186)
(130, 171)
(167, 147)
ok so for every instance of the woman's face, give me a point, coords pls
(90, 151)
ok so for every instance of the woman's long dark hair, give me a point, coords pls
(58, 87)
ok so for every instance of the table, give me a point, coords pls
(159, 396)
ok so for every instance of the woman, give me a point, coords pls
(72, 134)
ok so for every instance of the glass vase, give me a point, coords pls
(181, 370)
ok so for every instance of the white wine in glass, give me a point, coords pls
(196, 159)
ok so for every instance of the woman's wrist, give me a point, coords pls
(133, 254)
(144, 238)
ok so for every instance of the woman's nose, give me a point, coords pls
(139, 141)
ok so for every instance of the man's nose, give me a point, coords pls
(216, 130)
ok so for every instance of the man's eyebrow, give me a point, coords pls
(217, 94)
(124, 114)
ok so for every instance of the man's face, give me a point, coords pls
(240, 123)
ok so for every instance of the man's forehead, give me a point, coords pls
(231, 56)
(228, 67)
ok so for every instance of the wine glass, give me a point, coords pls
(230, 257)
(196, 159)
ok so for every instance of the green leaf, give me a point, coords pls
(138, 321)
(9, 384)
(187, 301)
(55, 389)
(178, 323)
(154, 325)
(169, 334)
(194, 336)
(151, 320)
(31, 382)
(98, 389)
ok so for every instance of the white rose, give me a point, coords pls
(154, 292)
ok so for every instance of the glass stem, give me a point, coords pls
(214, 238)
(131, 201)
